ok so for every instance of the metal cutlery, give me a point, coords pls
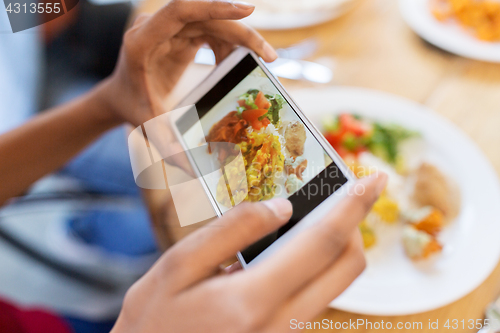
(289, 65)
(302, 50)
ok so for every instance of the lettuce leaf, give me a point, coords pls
(277, 103)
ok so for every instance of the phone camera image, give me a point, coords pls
(273, 152)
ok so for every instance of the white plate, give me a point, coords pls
(446, 35)
(293, 14)
(392, 284)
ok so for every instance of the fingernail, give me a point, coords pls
(232, 268)
(282, 208)
(243, 5)
(269, 51)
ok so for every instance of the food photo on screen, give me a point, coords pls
(279, 154)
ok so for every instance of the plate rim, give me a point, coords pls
(305, 19)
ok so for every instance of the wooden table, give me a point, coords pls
(372, 47)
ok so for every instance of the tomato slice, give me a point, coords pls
(261, 101)
(256, 124)
(241, 102)
(253, 115)
(266, 122)
(334, 138)
(353, 125)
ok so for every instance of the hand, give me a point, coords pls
(157, 49)
(184, 293)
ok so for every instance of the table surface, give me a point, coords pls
(372, 47)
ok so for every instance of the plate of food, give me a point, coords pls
(469, 28)
(293, 14)
(436, 220)
(278, 154)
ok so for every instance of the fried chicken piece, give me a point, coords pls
(432, 188)
(295, 138)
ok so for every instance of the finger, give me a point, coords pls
(199, 255)
(233, 33)
(169, 20)
(221, 49)
(311, 252)
(316, 296)
(141, 18)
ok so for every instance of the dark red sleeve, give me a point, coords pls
(15, 320)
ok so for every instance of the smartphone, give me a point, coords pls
(281, 151)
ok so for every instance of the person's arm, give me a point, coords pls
(155, 52)
(45, 143)
(183, 291)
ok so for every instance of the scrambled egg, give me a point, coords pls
(387, 209)
(263, 159)
(384, 210)
(480, 16)
(368, 234)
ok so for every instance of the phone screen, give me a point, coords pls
(258, 148)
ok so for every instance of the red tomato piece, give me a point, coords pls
(253, 115)
(334, 138)
(353, 125)
(261, 101)
(256, 124)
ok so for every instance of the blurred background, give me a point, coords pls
(82, 236)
